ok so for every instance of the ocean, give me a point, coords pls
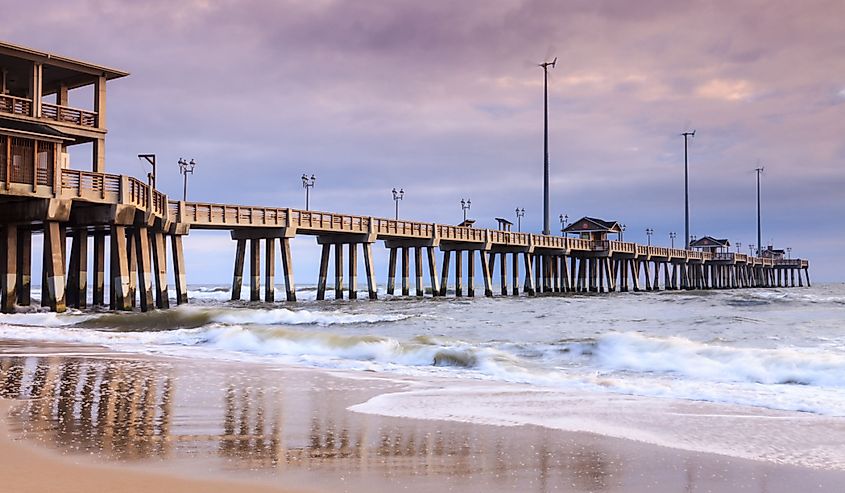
(754, 373)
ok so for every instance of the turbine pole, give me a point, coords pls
(686, 188)
(759, 244)
(546, 227)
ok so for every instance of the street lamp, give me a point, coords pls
(738, 246)
(151, 177)
(672, 236)
(751, 249)
(186, 167)
(520, 213)
(649, 232)
(397, 196)
(465, 205)
(308, 184)
(686, 189)
(788, 252)
(564, 218)
(622, 233)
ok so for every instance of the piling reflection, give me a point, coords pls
(91, 406)
(132, 410)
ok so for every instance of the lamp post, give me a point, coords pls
(520, 213)
(622, 233)
(308, 184)
(686, 188)
(672, 236)
(649, 232)
(751, 249)
(738, 246)
(789, 252)
(564, 219)
(759, 240)
(465, 205)
(546, 65)
(186, 167)
(151, 177)
(397, 196)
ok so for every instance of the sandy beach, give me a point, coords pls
(103, 421)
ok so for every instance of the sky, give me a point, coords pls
(444, 99)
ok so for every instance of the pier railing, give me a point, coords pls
(119, 189)
(67, 114)
(15, 105)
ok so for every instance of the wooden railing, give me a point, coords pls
(117, 189)
(15, 105)
(66, 114)
(99, 187)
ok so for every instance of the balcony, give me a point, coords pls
(53, 112)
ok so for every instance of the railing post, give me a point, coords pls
(124, 189)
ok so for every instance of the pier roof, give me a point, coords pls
(593, 225)
(71, 72)
(710, 242)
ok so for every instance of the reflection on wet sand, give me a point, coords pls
(288, 423)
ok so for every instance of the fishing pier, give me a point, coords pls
(132, 221)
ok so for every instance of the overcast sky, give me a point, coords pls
(444, 99)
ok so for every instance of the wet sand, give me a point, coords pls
(101, 421)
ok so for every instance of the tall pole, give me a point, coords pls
(759, 241)
(545, 65)
(686, 188)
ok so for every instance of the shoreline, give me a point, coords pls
(316, 440)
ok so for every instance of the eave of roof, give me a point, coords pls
(32, 128)
(110, 73)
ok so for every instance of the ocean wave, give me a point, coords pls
(634, 352)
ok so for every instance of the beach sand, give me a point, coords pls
(83, 419)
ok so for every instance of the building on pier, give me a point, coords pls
(590, 228)
(711, 245)
(773, 253)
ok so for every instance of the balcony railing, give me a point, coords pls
(66, 114)
(53, 112)
(15, 105)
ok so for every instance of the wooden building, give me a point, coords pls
(590, 228)
(710, 244)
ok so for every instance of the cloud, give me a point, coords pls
(727, 90)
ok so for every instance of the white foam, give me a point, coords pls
(787, 438)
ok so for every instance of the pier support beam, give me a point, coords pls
(119, 270)
(406, 290)
(370, 267)
(98, 297)
(432, 271)
(287, 269)
(471, 273)
(179, 273)
(145, 281)
(24, 266)
(444, 278)
(77, 282)
(238, 275)
(269, 270)
(353, 271)
(9, 292)
(530, 287)
(418, 271)
(485, 272)
(515, 273)
(391, 272)
(459, 274)
(324, 272)
(54, 291)
(159, 252)
(255, 269)
(338, 271)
